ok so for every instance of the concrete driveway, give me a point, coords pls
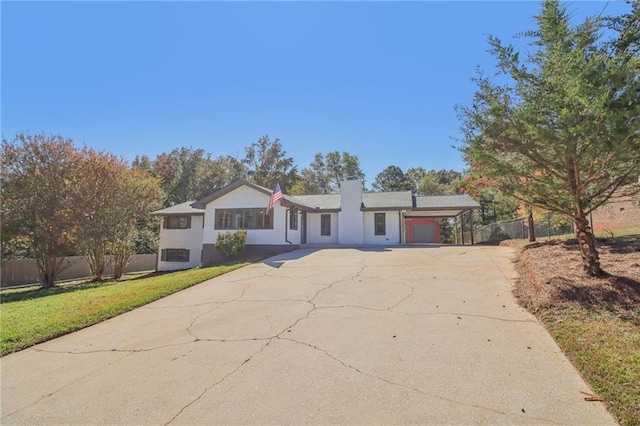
(428, 335)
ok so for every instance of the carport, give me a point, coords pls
(420, 225)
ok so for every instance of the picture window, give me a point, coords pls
(175, 255)
(243, 219)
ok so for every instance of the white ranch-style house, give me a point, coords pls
(351, 218)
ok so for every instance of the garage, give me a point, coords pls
(422, 223)
(424, 234)
(422, 230)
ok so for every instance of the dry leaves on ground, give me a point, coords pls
(552, 276)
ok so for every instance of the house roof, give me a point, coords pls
(434, 206)
(323, 202)
(443, 205)
(370, 201)
(179, 209)
(398, 200)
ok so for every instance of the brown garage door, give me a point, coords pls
(424, 234)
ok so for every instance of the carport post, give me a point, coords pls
(471, 224)
(462, 227)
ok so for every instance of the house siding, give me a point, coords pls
(190, 239)
(392, 221)
(245, 197)
(313, 229)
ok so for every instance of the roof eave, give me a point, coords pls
(445, 208)
(379, 209)
(159, 213)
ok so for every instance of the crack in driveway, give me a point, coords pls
(269, 340)
(217, 383)
(43, 397)
(405, 386)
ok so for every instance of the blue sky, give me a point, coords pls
(376, 79)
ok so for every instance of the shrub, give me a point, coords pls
(231, 243)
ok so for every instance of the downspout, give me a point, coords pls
(286, 229)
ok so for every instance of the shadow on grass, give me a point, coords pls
(9, 295)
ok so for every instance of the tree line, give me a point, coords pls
(56, 197)
(60, 200)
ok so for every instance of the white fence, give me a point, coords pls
(24, 271)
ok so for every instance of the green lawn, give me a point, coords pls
(595, 321)
(32, 315)
(605, 348)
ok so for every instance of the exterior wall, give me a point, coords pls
(392, 237)
(190, 239)
(350, 217)
(313, 229)
(411, 222)
(25, 271)
(211, 256)
(245, 197)
(620, 212)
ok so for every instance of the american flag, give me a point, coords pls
(277, 195)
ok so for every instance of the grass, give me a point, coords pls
(595, 321)
(33, 315)
(606, 350)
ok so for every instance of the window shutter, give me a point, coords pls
(163, 256)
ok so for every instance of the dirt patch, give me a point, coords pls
(551, 276)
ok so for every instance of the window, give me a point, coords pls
(380, 223)
(325, 225)
(293, 220)
(177, 222)
(175, 255)
(243, 219)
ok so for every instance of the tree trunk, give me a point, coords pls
(532, 229)
(122, 253)
(48, 281)
(587, 241)
(95, 256)
(47, 270)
